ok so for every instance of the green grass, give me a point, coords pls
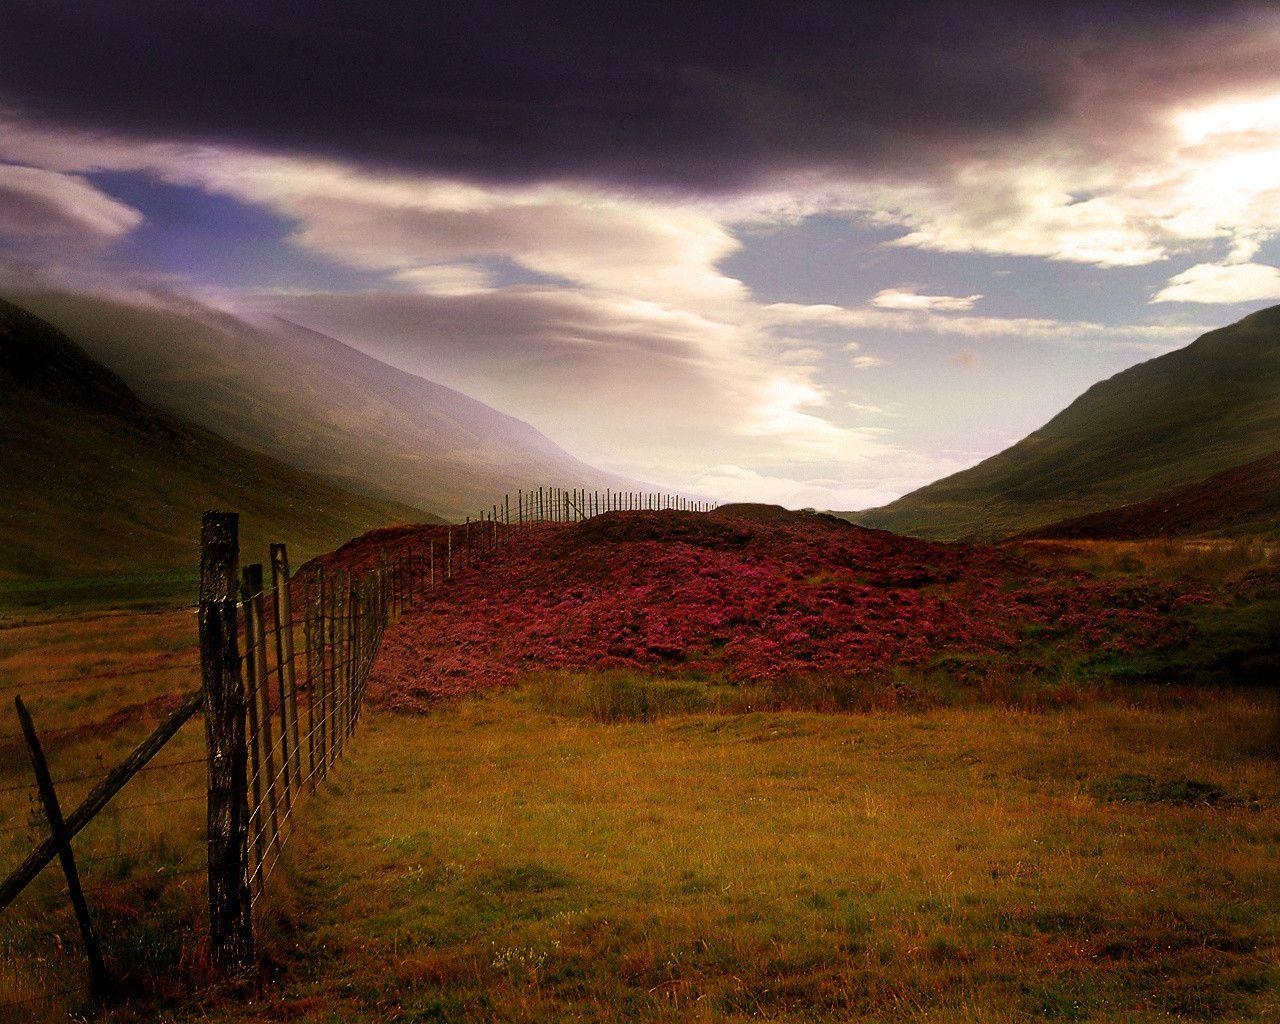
(1126, 439)
(68, 595)
(503, 860)
(1236, 631)
(103, 494)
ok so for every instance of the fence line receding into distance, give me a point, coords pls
(284, 664)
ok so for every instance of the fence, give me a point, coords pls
(284, 667)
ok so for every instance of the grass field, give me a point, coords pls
(502, 861)
(619, 847)
(96, 684)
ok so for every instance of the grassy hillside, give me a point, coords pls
(1244, 500)
(1172, 421)
(96, 482)
(318, 404)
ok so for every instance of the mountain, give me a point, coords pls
(1169, 422)
(95, 481)
(310, 400)
(1242, 500)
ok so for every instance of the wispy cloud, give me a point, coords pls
(906, 298)
(867, 362)
(36, 203)
(930, 322)
(1222, 283)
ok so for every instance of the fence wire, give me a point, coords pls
(315, 632)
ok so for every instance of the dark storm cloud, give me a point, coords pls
(660, 94)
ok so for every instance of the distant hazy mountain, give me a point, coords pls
(93, 480)
(1244, 500)
(307, 399)
(1171, 421)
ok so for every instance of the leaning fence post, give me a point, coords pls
(58, 829)
(230, 916)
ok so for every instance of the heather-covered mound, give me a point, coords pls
(750, 594)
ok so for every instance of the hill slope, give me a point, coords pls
(94, 480)
(318, 404)
(1165, 423)
(1243, 500)
(750, 594)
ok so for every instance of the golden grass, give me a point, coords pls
(95, 684)
(497, 861)
(614, 848)
(1206, 558)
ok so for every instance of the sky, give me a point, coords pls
(811, 253)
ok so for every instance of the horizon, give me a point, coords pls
(816, 268)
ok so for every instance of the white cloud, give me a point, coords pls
(1018, 205)
(929, 322)
(41, 204)
(862, 486)
(639, 318)
(902, 298)
(1222, 283)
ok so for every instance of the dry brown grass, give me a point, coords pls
(499, 861)
(96, 684)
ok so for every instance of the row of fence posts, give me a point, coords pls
(568, 505)
(257, 745)
(262, 760)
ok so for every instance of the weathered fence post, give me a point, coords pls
(260, 698)
(230, 914)
(58, 829)
(309, 646)
(282, 608)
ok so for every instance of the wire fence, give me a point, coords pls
(283, 672)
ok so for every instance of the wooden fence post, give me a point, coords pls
(260, 697)
(339, 620)
(230, 913)
(99, 797)
(58, 829)
(309, 647)
(357, 649)
(322, 635)
(329, 735)
(282, 608)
